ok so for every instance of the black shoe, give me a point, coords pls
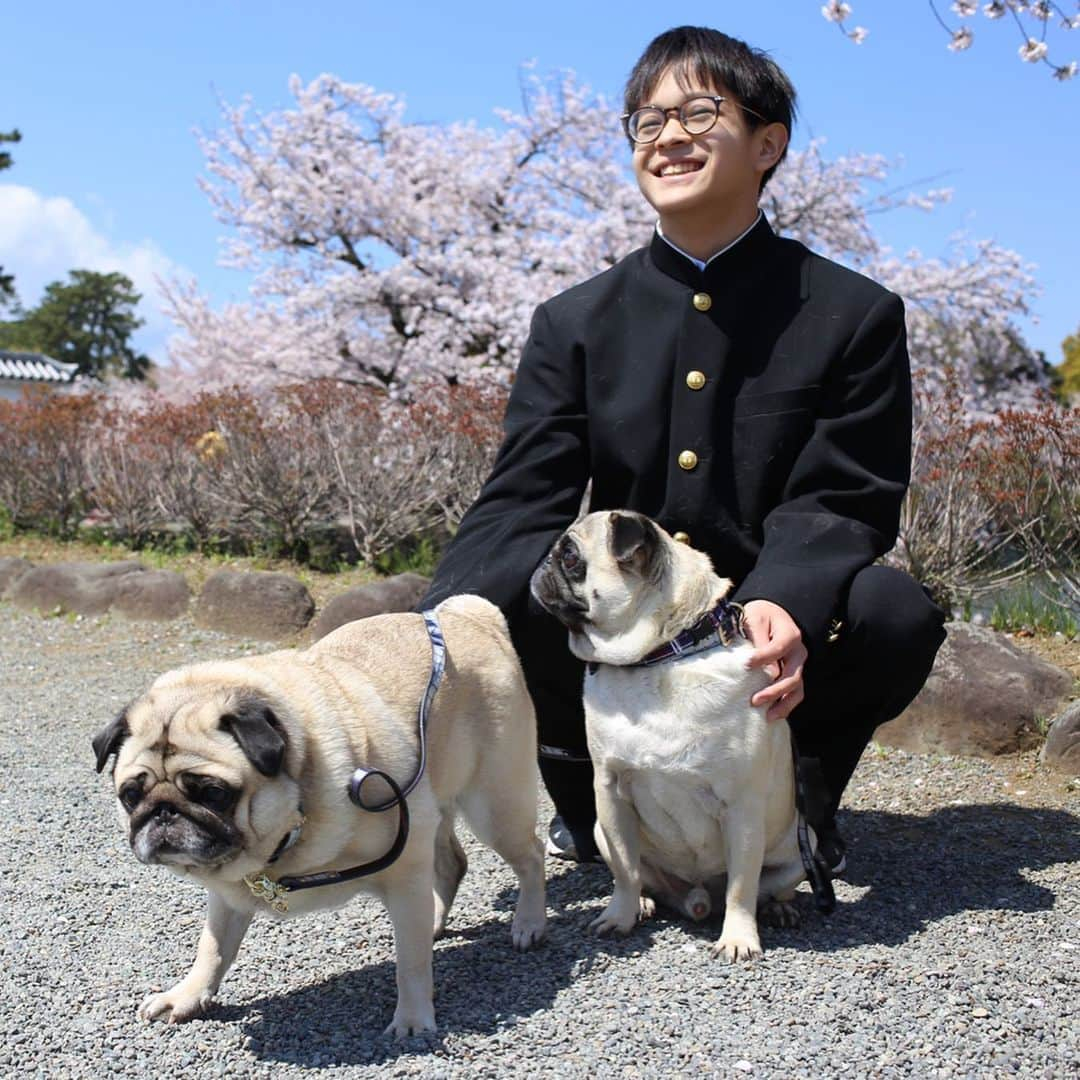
(571, 842)
(833, 850)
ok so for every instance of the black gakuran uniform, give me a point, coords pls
(760, 410)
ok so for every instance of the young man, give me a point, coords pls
(752, 397)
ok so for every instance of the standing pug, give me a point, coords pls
(692, 782)
(231, 772)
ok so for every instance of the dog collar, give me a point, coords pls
(719, 627)
(289, 838)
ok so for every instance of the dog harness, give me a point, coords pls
(276, 892)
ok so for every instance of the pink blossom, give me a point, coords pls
(389, 253)
(835, 11)
(961, 39)
(1033, 51)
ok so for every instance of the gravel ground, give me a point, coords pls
(954, 950)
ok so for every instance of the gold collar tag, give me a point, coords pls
(263, 888)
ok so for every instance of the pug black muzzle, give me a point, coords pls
(558, 583)
(162, 832)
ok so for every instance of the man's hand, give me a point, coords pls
(778, 647)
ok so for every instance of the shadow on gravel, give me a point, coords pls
(922, 868)
(482, 986)
(915, 870)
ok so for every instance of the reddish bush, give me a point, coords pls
(43, 482)
(464, 426)
(1029, 475)
(257, 471)
(992, 499)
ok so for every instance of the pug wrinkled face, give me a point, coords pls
(187, 767)
(601, 577)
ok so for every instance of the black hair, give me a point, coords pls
(729, 65)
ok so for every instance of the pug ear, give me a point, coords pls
(260, 735)
(634, 541)
(109, 739)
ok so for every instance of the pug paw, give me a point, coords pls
(404, 1024)
(779, 913)
(175, 1006)
(734, 948)
(526, 932)
(621, 916)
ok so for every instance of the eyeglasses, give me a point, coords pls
(697, 115)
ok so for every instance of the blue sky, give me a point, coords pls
(107, 97)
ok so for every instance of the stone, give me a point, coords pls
(82, 587)
(10, 572)
(156, 594)
(1061, 751)
(255, 603)
(399, 593)
(985, 696)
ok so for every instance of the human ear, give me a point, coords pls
(772, 141)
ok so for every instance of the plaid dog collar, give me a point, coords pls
(719, 627)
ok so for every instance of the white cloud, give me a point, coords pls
(43, 237)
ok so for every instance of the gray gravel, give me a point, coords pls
(954, 951)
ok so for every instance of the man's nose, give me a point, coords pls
(672, 131)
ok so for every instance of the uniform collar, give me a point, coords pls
(702, 263)
(734, 260)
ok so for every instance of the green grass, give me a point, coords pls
(420, 557)
(1025, 608)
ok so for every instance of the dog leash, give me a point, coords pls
(276, 892)
(817, 873)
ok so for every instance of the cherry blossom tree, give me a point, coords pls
(1030, 19)
(387, 252)
(386, 249)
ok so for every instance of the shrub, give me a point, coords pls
(43, 480)
(296, 470)
(992, 498)
(1029, 473)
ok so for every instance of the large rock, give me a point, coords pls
(1061, 751)
(86, 588)
(10, 572)
(398, 593)
(985, 696)
(254, 604)
(155, 594)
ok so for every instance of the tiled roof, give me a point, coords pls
(35, 367)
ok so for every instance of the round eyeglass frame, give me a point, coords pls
(679, 112)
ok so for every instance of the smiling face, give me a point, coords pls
(704, 187)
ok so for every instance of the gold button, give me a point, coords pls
(681, 538)
(702, 301)
(695, 380)
(687, 460)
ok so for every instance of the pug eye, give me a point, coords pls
(212, 794)
(130, 794)
(569, 558)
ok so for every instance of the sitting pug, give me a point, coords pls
(242, 768)
(692, 782)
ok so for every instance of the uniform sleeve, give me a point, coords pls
(840, 508)
(536, 485)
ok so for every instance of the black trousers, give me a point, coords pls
(890, 634)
